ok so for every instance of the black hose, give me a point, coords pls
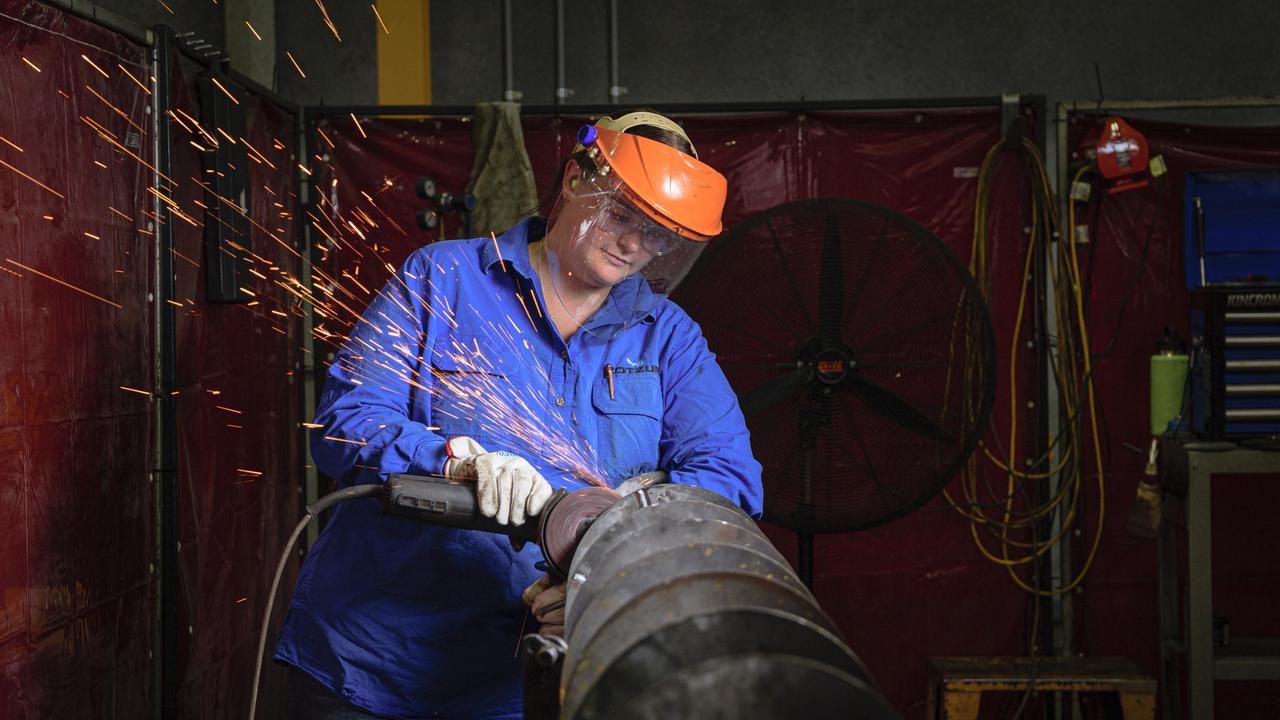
(313, 511)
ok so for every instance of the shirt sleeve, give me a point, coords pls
(704, 439)
(368, 432)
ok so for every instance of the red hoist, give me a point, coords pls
(1122, 156)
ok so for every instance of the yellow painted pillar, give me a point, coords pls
(404, 52)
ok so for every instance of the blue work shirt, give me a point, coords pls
(409, 620)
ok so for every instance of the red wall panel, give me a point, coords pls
(76, 264)
(75, 530)
(239, 439)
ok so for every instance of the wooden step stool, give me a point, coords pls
(956, 684)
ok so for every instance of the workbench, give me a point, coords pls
(1193, 642)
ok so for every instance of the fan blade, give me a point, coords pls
(769, 393)
(891, 407)
(831, 281)
(786, 272)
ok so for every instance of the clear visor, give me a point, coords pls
(598, 240)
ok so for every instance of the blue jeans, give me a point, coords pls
(310, 700)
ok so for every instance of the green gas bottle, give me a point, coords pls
(1168, 379)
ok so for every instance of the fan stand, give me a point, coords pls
(804, 545)
(804, 559)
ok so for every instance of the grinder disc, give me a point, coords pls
(566, 521)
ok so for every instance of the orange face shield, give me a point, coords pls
(638, 208)
(680, 192)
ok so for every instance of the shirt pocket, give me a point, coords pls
(466, 389)
(629, 424)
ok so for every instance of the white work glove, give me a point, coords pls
(508, 489)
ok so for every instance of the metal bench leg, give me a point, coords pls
(961, 704)
(1138, 706)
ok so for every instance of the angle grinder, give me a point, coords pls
(557, 530)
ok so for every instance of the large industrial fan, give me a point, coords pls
(862, 353)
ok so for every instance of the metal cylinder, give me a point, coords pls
(678, 606)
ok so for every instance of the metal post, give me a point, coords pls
(164, 473)
(1050, 607)
(1171, 678)
(616, 91)
(309, 492)
(509, 91)
(1199, 590)
(562, 91)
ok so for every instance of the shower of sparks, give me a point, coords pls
(64, 283)
(37, 182)
(106, 135)
(327, 21)
(501, 263)
(94, 65)
(255, 32)
(475, 385)
(117, 111)
(482, 389)
(296, 66)
(184, 257)
(381, 24)
(224, 90)
(135, 80)
(33, 65)
(344, 440)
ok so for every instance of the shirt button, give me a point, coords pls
(560, 401)
(564, 354)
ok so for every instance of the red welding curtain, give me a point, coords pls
(239, 441)
(1135, 283)
(75, 270)
(901, 592)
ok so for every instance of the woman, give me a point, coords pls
(546, 357)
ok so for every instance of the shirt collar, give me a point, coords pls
(629, 302)
(511, 248)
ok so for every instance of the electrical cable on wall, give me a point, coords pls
(1072, 371)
